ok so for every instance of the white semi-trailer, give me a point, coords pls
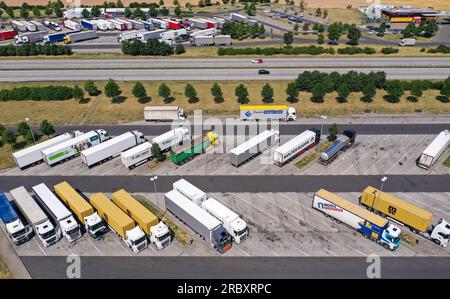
(296, 146)
(30, 26)
(268, 112)
(176, 136)
(200, 40)
(32, 155)
(71, 148)
(137, 155)
(19, 231)
(39, 25)
(172, 34)
(62, 217)
(72, 25)
(130, 35)
(148, 35)
(18, 26)
(163, 113)
(111, 148)
(206, 32)
(433, 151)
(42, 226)
(196, 195)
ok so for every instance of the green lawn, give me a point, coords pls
(447, 161)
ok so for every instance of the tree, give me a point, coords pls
(177, 11)
(46, 128)
(409, 30)
(77, 93)
(241, 93)
(90, 87)
(288, 38)
(36, 11)
(217, 93)
(334, 32)
(153, 12)
(368, 91)
(445, 89)
(112, 90)
(320, 39)
(395, 90)
(176, 3)
(161, 2)
(95, 12)
(9, 137)
(58, 12)
(318, 92)
(190, 93)
(325, 13)
(416, 91)
(139, 91)
(156, 152)
(24, 12)
(343, 93)
(48, 10)
(296, 28)
(23, 128)
(164, 91)
(201, 3)
(119, 4)
(10, 12)
(292, 92)
(127, 13)
(306, 27)
(382, 29)
(267, 93)
(179, 49)
(354, 34)
(333, 131)
(318, 12)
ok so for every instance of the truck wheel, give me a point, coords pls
(437, 242)
(414, 230)
(386, 246)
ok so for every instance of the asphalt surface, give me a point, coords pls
(215, 63)
(240, 183)
(205, 74)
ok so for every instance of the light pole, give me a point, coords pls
(383, 180)
(321, 131)
(153, 179)
(32, 135)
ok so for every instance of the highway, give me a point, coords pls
(204, 74)
(215, 63)
(240, 183)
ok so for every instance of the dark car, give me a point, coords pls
(263, 72)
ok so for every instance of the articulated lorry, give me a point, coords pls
(111, 148)
(175, 25)
(137, 155)
(52, 25)
(18, 230)
(200, 24)
(89, 25)
(239, 18)
(71, 148)
(137, 25)
(433, 151)
(39, 25)
(206, 32)
(188, 190)
(30, 37)
(200, 40)
(56, 37)
(84, 212)
(42, 226)
(209, 228)
(367, 223)
(252, 147)
(72, 25)
(416, 219)
(268, 112)
(130, 35)
(30, 26)
(160, 23)
(80, 36)
(181, 154)
(405, 42)
(342, 144)
(32, 155)
(62, 217)
(148, 35)
(167, 140)
(156, 230)
(18, 26)
(120, 222)
(7, 34)
(172, 34)
(296, 146)
(164, 113)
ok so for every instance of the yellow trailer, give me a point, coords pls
(127, 203)
(79, 206)
(417, 219)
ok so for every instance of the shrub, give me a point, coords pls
(389, 50)
(35, 50)
(45, 93)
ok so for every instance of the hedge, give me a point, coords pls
(152, 47)
(34, 50)
(46, 93)
(440, 49)
(389, 50)
(311, 50)
(356, 50)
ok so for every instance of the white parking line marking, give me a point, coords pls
(90, 241)
(121, 245)
(38, 245)
(382, 158)
(405, 155)
(235, 245)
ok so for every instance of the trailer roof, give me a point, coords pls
(132, 204)
(192, 209)
(137, 149)
(51, 201)
(26, 203)
(187, 187)
(264, 107)
(243, 147)
(106, 144)
(67, 143)
(7, 212)
(73, 196)
(217, 208)
(352, 208)
(42, 145)
(113, 211)
(441, 140)
(169, 134)
(301, 138)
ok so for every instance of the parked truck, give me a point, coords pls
(18, 230)
(367, 223)
(30, 37)
(137, 25)
(167, 140)
(416, 219)
(32, 155)
(118, 25)
(52, 25)
(164, 113)
(222, 40)
(342, 144)
(127, 23)
(239, 18)
(104, 25)
(175, 25)
(56, 37)
(209, 23)
(206, 32)
(148, 25)
(172, 34)
(148, 35)
(84, 212)
(35, 216)
(181, 154)
(39, 25)
(69, 24)
(137, 155)
(160, 23)
(201, 41)
(120, 222)
(268, 112)
(80, 36)
(296, 146)
(18, 26)
(407, 42)
(130, 35)
(156, 230)
(62, 217)
(209, 228)
(433, 151)
(253, 147)
(190, 191)
(111, 148)
(198, 23)
(71, 148)
(30, 26)
(7, 34)
(89, 25)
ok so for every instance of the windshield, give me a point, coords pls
(163, 237)
(139, 241)
(96, 226)
(48, 234)
(240, 233)
(19, 233)
(73, 231)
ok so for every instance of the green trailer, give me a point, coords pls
(186, 152)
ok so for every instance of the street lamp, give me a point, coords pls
(321, 130)
(153, 179)
(32, 135)
(383, 180)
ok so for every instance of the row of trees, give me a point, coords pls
(51, 9)
(24, 130)
(45, 93)
(240, 31)
(35, 49)
(426, 29)
(152, 47)
(310, 50)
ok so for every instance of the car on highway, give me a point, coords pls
(257, 60)
(263, 72)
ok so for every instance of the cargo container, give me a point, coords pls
(188, 190)
(72, 25)
(173, 24)
(239, 18)
(181, 154)
(84, 212)
(296, 146)
(7, 34)
(30, 26)
(222, 40)
(130, 35)
(71, 148)
(62, 217)
(89, 25)
(160, 23)
(157, 231)
(367, 223)
(111, 148)
(118, 25)
(119, 222)
(172, 34)
(35, 216)
(198, 23)
(433, 151)
(39, 25)
(137, 155)
(206, 32)
(56, 37)
(18, 230)
(164, 113)
(167, 140)
(104, 25)
(30, 37)
(208, 227)
(155, 34)
(200, 41)
(342, 144)
(137, 25)
(80, 36)
(231, 221)
(32, 155)
(18, 26)
(253, 147)
(268, 112)
(416, 219)
(148, 25)
(210, 23)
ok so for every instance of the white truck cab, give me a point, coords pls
(291, 114)
(70, 228)
(391, 237)
(18, 232)
(47, 233)
(94, 225)
(440, 233)
(136, 239)
(160, 235)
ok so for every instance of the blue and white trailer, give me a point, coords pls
(367, 223)
(89, 25)
(148, 25)
(19, 231)
(57, 37)
(343, 143)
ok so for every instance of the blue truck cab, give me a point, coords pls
(17, 230)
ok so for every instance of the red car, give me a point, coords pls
(258, 60)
